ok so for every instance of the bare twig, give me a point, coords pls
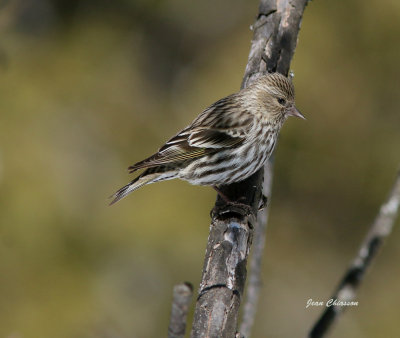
(254, 282)
(182, 296)
(231, 231)
(346, 291)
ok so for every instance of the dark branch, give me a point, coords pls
(346, 291)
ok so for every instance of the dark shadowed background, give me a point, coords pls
(89, 87)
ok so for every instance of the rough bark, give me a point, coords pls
(231, 230)
(346, 291)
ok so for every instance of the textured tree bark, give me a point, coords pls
(231, 230)
(346, 291)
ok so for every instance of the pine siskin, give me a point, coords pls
(227, 142)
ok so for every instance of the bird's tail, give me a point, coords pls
(137, 183)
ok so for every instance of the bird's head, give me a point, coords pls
(273, 94)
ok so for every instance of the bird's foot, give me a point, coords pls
(232, 210)
(263, 202)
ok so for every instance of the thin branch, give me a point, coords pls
(346, 291)
(254, 282)
(182, 296)
(231, 230)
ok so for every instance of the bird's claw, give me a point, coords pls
(263, 202)
(233, 209)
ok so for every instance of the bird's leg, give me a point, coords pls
(233, 206)
(222, 195)
(263, 200)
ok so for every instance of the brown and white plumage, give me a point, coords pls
(227, 142)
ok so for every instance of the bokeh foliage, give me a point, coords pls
(89, 87)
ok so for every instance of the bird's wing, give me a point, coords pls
(213, 138)
(223, 123)
(170, 153)
(213, 129)
(188, 145)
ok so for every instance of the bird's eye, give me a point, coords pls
(281, 101)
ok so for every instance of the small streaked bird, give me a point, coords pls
(227, 142)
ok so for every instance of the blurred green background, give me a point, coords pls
(89, 87)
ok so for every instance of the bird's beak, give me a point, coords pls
(293, 111)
